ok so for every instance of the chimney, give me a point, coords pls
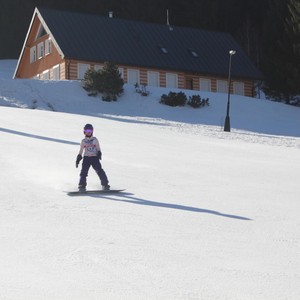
(168, 22)
(111, 14)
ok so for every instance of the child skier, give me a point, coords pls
(91, 151)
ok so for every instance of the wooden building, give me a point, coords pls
(62, 45)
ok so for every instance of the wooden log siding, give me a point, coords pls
(62, 70)
(51, 74)
(181, 80)
(73, 70)
(196, 83)
(249, 88)
(143, 76)
(213, 84)
(162, 79)
(125, 78)
(69, 70)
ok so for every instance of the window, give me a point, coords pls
(238, 88)
(171, 80)
(153, 78)
(32, 54)
(121, 70)
(98, 67)
(48, 46)
(56, 72)
(40, 50)
(205, 84)
(222, 86)
(45, 75)
(82, 68)
(189, 83)
(41, 32)
(133, 76)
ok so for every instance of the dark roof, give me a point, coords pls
(99, 38)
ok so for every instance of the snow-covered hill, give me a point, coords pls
(206, 214)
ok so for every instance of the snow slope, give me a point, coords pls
(206, 214)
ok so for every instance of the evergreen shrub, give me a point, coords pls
(195, 101)
(174, 99)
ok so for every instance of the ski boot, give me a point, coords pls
(105, 187)
(81, 188)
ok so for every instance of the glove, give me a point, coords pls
(99, 155)
(78, 159)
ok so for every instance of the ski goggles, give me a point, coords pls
(88, 130)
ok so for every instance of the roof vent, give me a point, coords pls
(163, 49)
(194, 53)
(111, 14)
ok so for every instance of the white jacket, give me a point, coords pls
(89, 146)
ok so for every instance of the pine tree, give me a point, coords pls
(107, 81)
(111, 82)
(293, 31)
(276, 63)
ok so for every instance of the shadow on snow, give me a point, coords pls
(130, 199)
(37, 136)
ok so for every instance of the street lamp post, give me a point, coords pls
(227, 119)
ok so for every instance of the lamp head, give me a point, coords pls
(232, 52)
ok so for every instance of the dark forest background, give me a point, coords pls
(268, 30)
